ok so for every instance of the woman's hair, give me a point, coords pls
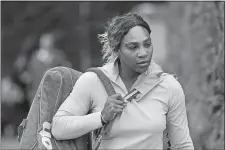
(115, 30)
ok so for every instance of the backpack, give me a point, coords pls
(34, 132)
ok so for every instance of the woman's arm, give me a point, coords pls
(177, 123)
(71, 120)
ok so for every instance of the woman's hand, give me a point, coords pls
(113, 106)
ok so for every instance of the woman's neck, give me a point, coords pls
(127, 74)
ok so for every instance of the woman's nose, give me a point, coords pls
(142, 52)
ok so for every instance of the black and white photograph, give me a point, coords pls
(112, 75)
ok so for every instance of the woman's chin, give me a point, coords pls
(142, 69)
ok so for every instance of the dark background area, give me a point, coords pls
(79, 21)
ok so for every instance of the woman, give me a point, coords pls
(138, 124)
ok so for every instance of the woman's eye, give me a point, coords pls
(147, 45)
(132, 46)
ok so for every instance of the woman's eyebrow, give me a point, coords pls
(130, 43)
(148, 39)
(134, 42)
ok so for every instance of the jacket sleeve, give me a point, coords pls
(71, 120)
(177, 123)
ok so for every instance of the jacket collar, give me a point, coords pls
(112, 70)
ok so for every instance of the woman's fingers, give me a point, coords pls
(118, 106)
(118, 110)
(113, 106)
(118, 102)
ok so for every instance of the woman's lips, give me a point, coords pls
(143, 63)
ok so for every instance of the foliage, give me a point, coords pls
(196, 43)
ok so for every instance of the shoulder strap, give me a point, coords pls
(110, 91)
(105, 80)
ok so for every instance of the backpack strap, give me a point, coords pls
(105, 80)
(110, 90)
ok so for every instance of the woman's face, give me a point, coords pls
(136, 49)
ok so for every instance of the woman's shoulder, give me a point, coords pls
(88, 77)
(172, 83)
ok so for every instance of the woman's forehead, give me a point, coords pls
(136, 34)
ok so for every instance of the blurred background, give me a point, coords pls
(188, 40)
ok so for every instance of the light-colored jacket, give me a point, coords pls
(160, 105)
